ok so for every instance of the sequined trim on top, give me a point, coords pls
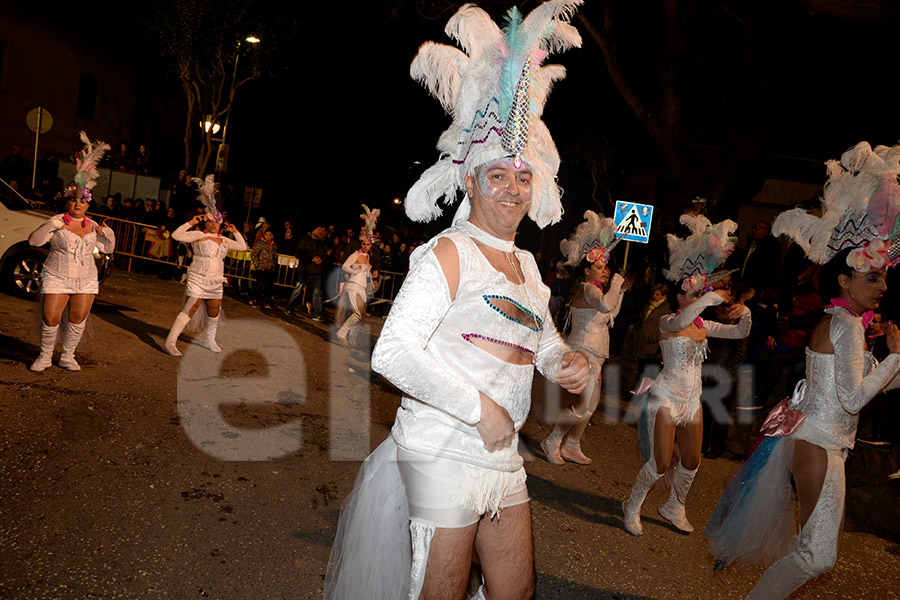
(538, 322)
(468, 337)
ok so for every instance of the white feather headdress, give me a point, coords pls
(370, 218)
(694, 259)
(86, 161)
(860, 208)
(206, 189)
(594, 238)
(494, 89)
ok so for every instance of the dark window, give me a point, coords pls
(87, 96)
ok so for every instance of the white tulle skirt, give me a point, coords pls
(372, 552)
(754, 520)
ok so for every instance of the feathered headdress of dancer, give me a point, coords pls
(206, 189)
(860, 209)
(86, 161)
(494, 89)
(594, 239)
(370, 218)
(694, 259)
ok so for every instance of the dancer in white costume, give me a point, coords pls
(808, 436)
(356, 290)
(206, 275)
(69, 275)
(673, 410)
(465, 333)
(594, 307)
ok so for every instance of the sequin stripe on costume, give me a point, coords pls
(539, 323)
(468, 337)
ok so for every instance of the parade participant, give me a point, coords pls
(673, 409)
(465, 332)
(355, 292)
(69, 275)
(206, 274)
(807, 437)
(594, 306)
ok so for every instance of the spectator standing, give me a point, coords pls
(312, 254)
(760, 260)
(265, 263)
(15, 168)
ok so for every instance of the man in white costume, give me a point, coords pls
(465, 333)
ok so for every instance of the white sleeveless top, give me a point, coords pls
(424, 350)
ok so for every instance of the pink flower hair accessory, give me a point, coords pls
(873, 255)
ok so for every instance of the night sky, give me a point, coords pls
(346, 124)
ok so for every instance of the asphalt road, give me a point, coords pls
(149, 476)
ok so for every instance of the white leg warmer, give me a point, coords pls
(71, 337)
(421, 535)
(479, 594)
(646, 477)
(48, 341)
(212, 324)
(816, 548)
(177, 327)
(673, 509)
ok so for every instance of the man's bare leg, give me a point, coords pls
(506, 550)
(449, 563)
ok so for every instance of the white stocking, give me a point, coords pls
(421, 535)
(815, 550)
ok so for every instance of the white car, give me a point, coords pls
(20, 263)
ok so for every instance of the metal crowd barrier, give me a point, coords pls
(137, 242)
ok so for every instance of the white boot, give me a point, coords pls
(71, 337)
(48, 341)
(673, 510)
(177, 327)
(212, 324)
(550, 444)
(646, 477)
(346, 335)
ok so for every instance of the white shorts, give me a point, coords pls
(432, 484)
(54, 284)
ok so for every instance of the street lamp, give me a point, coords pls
(250, 39)
(208, 124)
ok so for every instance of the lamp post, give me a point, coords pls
(222, 153)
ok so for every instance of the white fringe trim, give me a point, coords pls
(482, 490)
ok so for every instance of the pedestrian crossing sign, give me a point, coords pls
(633, 221)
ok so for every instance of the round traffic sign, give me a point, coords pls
(39, 117)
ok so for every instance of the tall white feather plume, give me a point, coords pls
(370, 218)
(468, 85)
(596, 234)
(845, 220)
(701, 252)
(86, 173)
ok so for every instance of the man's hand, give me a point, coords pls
(575, 374)
(495, 427)
(316, 260)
